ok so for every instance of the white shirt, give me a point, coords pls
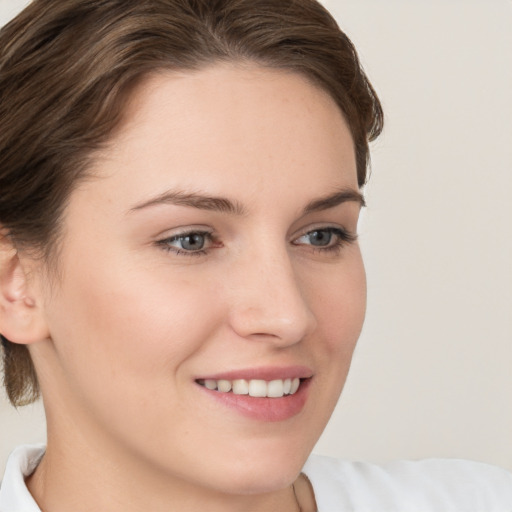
(432, 485)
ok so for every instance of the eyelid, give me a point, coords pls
(343, 238)
(164, 241)
(334, 228)
(182, 231)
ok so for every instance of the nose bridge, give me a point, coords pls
(269, 299)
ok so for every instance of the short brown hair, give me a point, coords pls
(68, 66)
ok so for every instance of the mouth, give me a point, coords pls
(257, 388)
(263, 394)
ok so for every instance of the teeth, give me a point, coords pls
(240, 387)
(224, 386)
(275, 388)
(256, 387)
(210, 384)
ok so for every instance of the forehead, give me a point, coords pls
(235, 125)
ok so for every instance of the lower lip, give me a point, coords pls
(264, 409)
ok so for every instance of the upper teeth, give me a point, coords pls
(255, 387)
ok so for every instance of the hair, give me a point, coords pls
(68, 67)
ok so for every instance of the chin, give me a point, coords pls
(259, 479)
(266, 468)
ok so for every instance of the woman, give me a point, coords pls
(180, 275)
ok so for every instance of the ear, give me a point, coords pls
(21, 315)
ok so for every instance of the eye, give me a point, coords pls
(319, 238)
(189, 243)
(192, 241)
(325, 239)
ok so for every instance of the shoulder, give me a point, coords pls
(439, 485)
(14, 494)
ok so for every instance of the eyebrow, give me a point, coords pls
(195, 200)
(341, 196)
(224, 205)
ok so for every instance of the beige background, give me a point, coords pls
(432, 375)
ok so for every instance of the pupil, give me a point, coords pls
(321, 238)
(193, 242)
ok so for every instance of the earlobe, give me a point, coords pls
(21, 317)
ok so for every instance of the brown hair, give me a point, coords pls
(68, 66)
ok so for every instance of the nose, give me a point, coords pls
(268, 302)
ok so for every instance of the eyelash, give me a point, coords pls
(165, 243)
(343, 238)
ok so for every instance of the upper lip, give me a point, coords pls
(267, 373)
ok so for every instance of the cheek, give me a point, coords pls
(134, 328)
(340, 307)
(338, 301)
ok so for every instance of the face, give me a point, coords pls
(213, 250)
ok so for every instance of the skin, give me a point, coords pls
(131, 323)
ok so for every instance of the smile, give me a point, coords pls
(255, 387)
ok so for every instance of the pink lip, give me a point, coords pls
(264, 373)
(263, 409)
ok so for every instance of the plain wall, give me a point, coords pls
(432, 375)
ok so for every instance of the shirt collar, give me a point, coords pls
(14, 494)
